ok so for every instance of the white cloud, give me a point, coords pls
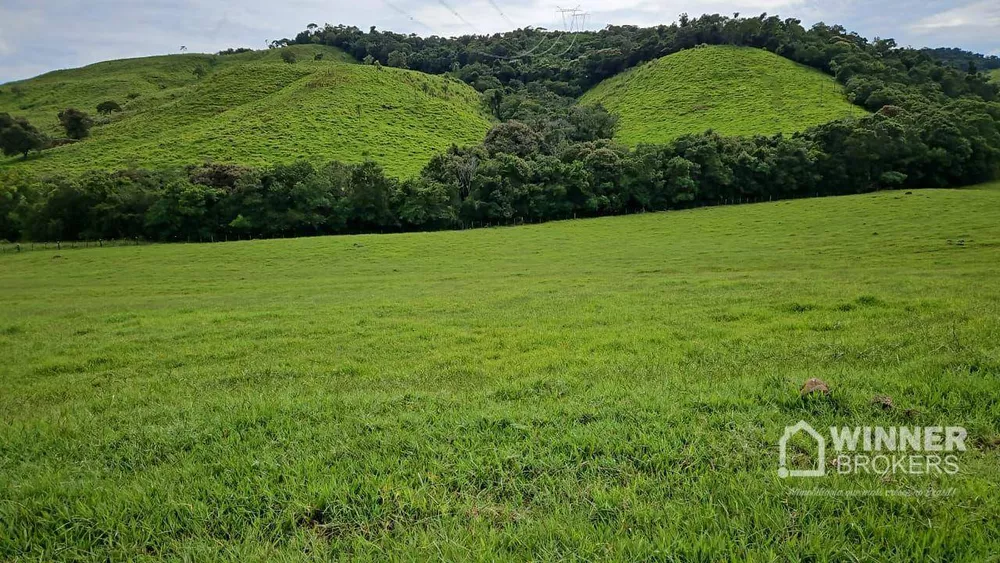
(976, 15)
(51, 34)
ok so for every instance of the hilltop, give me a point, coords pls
(732, 90)
(250, 108)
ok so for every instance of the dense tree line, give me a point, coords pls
(568, 64)
(932, 126)
(522, 172)
(964, 60)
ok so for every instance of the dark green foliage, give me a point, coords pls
(512, 137)
(397, 59)
(549, 158)
(108, 107)
(493, 100)
(511, 60)
(288, 56)
(519, 174)
(76, 123)
(961, 59)
(236, 51)
(18, 137)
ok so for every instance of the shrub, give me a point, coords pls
(108, 107)
(76, 123)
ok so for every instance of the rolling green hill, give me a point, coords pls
(732, 90)
(608, 389)
(252, 109)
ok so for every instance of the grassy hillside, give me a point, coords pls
(251, 109)
(733, 90)
(602, 389)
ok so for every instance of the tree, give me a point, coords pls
(288, 56)
(369, 194)
(493, 100)
(422, 204)
(17, 136)
(590, 123)
(397, 59)
(76, 123)
(512, 137)
(183, 210)
(17, 191)
(108, 107)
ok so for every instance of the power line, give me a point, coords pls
(503, 15)
(405, 14)
(570, 17)
(458, 15)
(519, 55)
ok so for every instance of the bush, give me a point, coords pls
(76, 123)
(108, 107)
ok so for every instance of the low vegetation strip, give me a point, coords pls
(519, 392)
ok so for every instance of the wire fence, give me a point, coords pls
(18, 247)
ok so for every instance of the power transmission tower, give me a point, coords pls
(573, 15)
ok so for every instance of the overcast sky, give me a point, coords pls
(37, 36)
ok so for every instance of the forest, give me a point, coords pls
(931, 125)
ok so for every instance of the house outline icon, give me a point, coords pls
(783, 471)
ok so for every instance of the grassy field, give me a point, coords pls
(611, 388)
(250, 109)
(732, 90)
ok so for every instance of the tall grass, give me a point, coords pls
(610, 388)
